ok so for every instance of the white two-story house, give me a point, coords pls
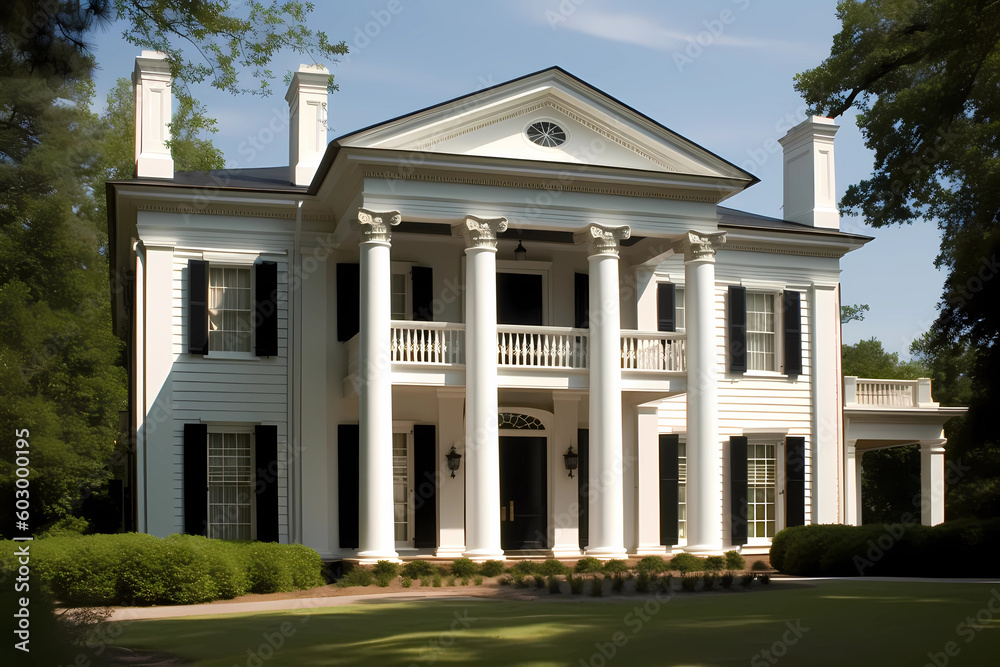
(517, 322)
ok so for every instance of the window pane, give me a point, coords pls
(761, 478)
(230, 486)
(760, 331)
(230, 307)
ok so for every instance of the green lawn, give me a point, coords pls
(820, 623)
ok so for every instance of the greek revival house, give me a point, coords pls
(517, 322)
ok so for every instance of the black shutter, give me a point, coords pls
(265, 309)
(666, 302)
(581, 300)
(583, 485)
(792, 317)
(265, 449)
(422, 296)
(348, 484)
(196, 479)
(348, 301)
(795, 481)
(425, 482)
(197, 306)
(669, 487)
(737, 329)
(738, 505)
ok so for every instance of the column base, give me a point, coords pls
(566, 552)
(450, 552)
(373, 557)
(483, 555)
(606, 553)
(707, 549)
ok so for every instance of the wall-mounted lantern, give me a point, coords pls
(572, 460)
(454, 460)
(520, 253)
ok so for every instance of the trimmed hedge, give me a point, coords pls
(890, 550)
(139, 569)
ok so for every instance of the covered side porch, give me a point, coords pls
(879, 414)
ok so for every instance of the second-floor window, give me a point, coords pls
(760, 331)
(230, 309)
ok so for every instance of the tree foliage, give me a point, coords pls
(868, 359)
(60, 376)
(924, 76)
(853, 313)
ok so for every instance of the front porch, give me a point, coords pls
(879, 414)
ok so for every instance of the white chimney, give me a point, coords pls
(151, 82)
(810, 187)
(307, 100)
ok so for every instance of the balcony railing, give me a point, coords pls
(443, 343)
(867, 392)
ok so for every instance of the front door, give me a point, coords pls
(523, 523)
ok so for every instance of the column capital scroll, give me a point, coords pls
(699, 245)
(375, 225)
(480, 232)
(603, 239)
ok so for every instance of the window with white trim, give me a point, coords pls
(400, 291)
(679, 321)
(762, 464)
(230, 309)
(761, 331)
(230, 486)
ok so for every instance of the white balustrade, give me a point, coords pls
(653, 351)
(542, 347)
(427, 342)
(887, 393)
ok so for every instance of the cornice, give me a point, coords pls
(776, 250)
(249, 212)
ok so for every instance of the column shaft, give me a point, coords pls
(932, 482)
(852, 492)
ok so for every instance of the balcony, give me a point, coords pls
(545, 357)
(887, 394)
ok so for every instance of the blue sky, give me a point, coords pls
(719, 72)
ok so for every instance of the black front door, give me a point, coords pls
(523, 523)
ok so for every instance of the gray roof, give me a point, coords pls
(730, 217)
(257, 178)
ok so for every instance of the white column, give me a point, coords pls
(482, 443)
(704, 449)
(647, 474)
(451, 490)
(932, 482)
(607, 521)
(828, 408)
(852, 477)
(376, 537)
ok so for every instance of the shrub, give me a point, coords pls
(666, 584)
(727, 580)
(450, 581)
(554, 585)
(715, 563)
(539, 581)
(425, 582)
(759, 566)
(689, 583)
(734, 561)
(524, 567)
(652, 565)
(506, 580)
(418, 569)
(405, 582)
(747, 579)
(478, 580)
(889, 550)
(575, 585)
(617, 583)
(616, 567)
(359, 575)
(596, 587)
(386, 569)
(465, 581)
(437, 580)
(463, 567)
(491, 568)
(685, 563)
(553, 567)
(588, 565)
(708, 581)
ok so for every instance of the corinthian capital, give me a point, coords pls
(602, 238)
(699, 245)
(375, 224)
(480, 232)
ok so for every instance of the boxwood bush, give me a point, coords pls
(910, 550)
(139, 569)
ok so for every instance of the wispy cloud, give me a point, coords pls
(648, 33)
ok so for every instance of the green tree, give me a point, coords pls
(59, 372)
(868, 359)
(853, 313)
(924, 76)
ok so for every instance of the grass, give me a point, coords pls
(841, 622)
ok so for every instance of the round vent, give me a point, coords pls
(546, 134)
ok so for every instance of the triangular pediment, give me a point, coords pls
(596, 130)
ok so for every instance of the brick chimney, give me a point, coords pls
(810, 192)
(151, 82)
(307, 103)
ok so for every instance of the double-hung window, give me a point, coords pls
(762, 465)
(764, 331)
(230, 309)
(761, 332)
(230, 486)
